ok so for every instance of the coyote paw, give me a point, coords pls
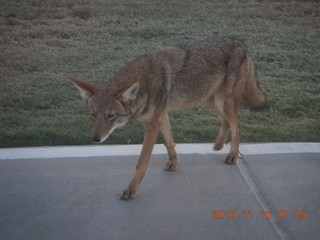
(231, 159)
(172, 165)
(128, 194)
(218, 146)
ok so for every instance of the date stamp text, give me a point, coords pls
(281, 214)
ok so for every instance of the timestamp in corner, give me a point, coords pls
(245, 214)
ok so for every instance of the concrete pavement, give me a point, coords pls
(53, 193)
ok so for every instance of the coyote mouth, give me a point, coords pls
(98, 139)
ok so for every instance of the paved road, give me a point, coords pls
(267, 196)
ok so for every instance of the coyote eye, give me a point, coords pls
(110, 116)
(93, 115)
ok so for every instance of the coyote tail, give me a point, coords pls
(252, 96)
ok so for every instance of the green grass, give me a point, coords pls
(42, 43)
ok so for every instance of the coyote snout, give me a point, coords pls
(215, 71)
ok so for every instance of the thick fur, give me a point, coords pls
(215, 71)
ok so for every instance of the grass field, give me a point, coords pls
(43, 42)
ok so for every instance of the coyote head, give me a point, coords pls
(110, 108)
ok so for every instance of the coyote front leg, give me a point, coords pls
(165, 129)
(221, 138)
(232, 116)
(150, 137)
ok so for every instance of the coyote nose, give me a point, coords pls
(96, 139)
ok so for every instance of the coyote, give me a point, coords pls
(215, 71)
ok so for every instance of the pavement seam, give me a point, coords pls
(267, 205)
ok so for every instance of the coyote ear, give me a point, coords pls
(130, 93)
(86, 89)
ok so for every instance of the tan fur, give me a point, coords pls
(215, 71)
